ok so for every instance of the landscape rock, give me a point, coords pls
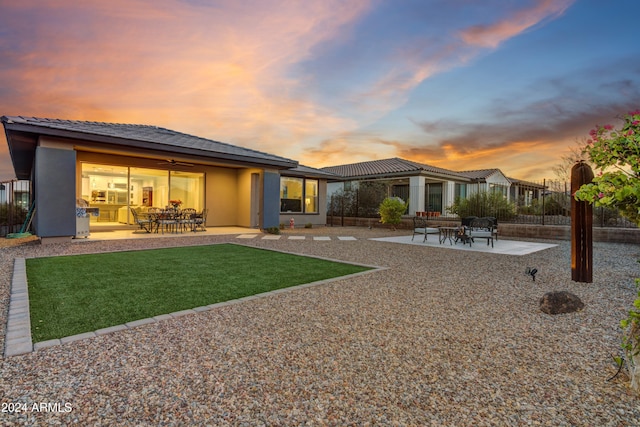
(560, 302)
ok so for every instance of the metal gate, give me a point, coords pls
(15, 200)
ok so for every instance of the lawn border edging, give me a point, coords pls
(18, 333)
(18, 336)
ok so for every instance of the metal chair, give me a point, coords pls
(187, 219)
(420, 227)
(168, 220)
(200, 221)
(481, 228)
(145, 222)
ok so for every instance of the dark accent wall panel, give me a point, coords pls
(271, 211)
(55, 190)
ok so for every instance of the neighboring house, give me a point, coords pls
(524, 192)
(115, 167)
(428, 188)
(15, 193)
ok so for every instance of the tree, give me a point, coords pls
(576, 153)
(616, 152)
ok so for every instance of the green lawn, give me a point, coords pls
(69, 295)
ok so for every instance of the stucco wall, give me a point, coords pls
(315, 219)
(560, 232)
(222, 196)
(55, 191)
(271, 199)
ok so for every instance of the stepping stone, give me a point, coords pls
(246, 236)
(297, 237)
(346, 238)
(321, 238)
(271, 237)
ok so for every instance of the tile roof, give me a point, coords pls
(309, 172)
(142, 136)
(387, 167)
(526, 183)
(480, 173)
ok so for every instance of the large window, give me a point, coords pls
(115, 189)
(433, 197)
(298, 195)
(311, 196)
(149, 187)
(460, 191)
(187, 187)
(498, 188)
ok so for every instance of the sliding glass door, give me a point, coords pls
(116, 189)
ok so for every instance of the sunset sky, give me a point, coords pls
(458, 84)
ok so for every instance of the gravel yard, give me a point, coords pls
(442, 337)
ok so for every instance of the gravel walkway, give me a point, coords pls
(442, 338)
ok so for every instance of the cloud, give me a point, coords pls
(523, 132)
(218, 70)
(520, 138)
(424, 56)
(490, 36)
(321, 82)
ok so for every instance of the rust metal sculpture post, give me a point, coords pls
(581, 227)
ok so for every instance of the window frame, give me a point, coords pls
(303, 205)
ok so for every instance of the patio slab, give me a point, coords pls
(503, 247)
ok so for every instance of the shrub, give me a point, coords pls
(274, 230)
(391, 210)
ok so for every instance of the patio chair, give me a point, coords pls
(144, 222)
(200, 221)
(467, 220)
(168, 220)
(187, 219)
(420, 227)
(481, 228)
(494, 228)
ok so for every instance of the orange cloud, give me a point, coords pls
(218, 71)
(515, 159)
(348, 147)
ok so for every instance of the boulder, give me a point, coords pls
(560, 302)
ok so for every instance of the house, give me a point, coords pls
(524, 192)
(15, 193)
(427, 188)
(114, 167)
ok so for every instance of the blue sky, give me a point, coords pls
(459, 84)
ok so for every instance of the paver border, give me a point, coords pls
(18, 336)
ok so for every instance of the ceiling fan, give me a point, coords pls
(172, 162)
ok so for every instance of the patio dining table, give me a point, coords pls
(172, 220)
